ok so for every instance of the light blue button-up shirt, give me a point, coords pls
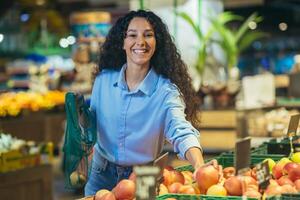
(132, 125)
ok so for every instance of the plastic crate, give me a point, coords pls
(277, 147)
(260, 150)
(200, 197)
(285, 197)
(226, 160)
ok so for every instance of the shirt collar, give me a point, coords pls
(121, 83)
(147, 86)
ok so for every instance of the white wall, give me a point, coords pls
(186, 39)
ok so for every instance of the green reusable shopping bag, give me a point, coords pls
(80, 137)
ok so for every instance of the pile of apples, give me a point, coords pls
(286, 176)
(219, 181)
(124, 190)
(216, 181)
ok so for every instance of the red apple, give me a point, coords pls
(100, 193)
(284, 180)
(169, 168)
(252, 194)
(273, 190)
(125, 189)
(297, 184)
(174, 187)
(132, 177)
(187, 189)
(173, 176)
(167, 178)
(233, 186)
(289, 166)
(294, 173)
(177, 176)
(108, 196)
(207, 176)
(288, 189)
(277, 170)
(228, 172)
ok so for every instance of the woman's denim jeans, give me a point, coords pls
(105, 175)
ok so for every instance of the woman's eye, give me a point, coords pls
(148, 35)
(131, 35)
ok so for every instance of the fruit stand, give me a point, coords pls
(33, 116)
(179, 183)
(25, 170)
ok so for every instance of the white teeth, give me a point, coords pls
(139, 51)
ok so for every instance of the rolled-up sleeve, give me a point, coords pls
(178, 131)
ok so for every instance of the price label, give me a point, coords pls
(242, 155)
(161, 162)
(293, 125)
(146, 181)
(263, 174)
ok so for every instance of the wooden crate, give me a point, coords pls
(37, 126)
(34, 183)
(220, 140)
(218, 130)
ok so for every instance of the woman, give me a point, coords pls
(141, 95)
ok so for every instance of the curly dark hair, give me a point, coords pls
(166, 60)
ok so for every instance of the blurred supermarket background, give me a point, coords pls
(249, 85)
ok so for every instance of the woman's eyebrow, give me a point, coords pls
(134, 30)
(131, 30)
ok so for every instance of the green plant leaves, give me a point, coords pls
(233, 42)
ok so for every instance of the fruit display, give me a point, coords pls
(277, 146)
(13, 103)
(217, 182)
(18, 154)
(125, 189)
(222, 181)
(273, 123)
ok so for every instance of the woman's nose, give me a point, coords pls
(141, 40)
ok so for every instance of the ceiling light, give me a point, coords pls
(283, 26)
(1, 37)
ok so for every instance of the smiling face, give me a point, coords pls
(139, 42)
